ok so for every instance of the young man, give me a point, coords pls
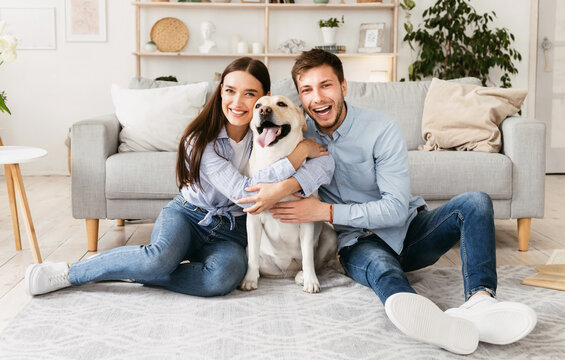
(384, 231)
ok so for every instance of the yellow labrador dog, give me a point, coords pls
(277, 249)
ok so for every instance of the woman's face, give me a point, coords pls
(240, 91)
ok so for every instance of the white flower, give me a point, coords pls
(9, 55)
(2, 26)
(11, 41)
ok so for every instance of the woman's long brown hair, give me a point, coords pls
(208, 124)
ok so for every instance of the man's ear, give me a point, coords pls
(344, 87)
(302, 118)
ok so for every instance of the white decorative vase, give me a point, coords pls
(329, 34)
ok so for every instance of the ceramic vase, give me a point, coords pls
(329, 35)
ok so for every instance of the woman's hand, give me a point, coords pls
(307, 148)
(269, 194)
(313, 149)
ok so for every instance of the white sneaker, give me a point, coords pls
(421, 319)
(498, 323)
(46, 277)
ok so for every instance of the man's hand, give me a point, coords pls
(300, 211)
(269, 194)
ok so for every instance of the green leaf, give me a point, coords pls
(3, 107)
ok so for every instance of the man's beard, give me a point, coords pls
(339, 110)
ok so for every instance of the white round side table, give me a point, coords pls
(12, 157)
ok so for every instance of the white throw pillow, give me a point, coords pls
(154, 119)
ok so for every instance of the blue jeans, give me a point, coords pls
(218, 261)
(467, 218)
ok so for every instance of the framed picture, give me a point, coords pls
(371, 37)
(33, 27)
(85, 20)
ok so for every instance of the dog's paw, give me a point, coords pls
(299, 279)
(249, 281)
(311, 287)
(311, 284)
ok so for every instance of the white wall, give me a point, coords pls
(48, 90)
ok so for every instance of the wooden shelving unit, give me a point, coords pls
(391, 7)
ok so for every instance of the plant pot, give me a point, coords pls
(321, 1)
(329, 35)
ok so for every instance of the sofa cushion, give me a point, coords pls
(404, 101)
(141, 175)
(145, 83)
(466, 117)
(441, 175)
(154, 119)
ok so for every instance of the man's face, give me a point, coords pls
(322, 96)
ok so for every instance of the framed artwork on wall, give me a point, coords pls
(371, 37)
(33, 27)
(85, 20)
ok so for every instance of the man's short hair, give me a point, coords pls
(314, 58)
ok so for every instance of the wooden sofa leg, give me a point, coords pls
(92, 234)
(120, 222)
(524, 233)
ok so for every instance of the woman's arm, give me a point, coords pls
(275, 181)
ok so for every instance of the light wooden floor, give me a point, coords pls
(62, 238)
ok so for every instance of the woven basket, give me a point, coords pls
(169, 34)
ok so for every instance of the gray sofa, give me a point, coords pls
(136, 185)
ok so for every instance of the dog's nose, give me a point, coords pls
(265, 110)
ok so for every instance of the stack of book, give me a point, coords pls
(552, 274)
(336, 49)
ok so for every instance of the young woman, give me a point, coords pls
(203, 224)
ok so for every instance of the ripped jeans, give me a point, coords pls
(218, 261)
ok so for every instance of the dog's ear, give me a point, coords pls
(302, 118)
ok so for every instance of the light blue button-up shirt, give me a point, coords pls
(223, 184)
(370, 188)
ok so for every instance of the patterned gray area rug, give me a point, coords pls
(115, 320)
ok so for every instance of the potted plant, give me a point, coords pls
(329, 29)
(455, 41)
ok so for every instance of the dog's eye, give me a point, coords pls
(281, 104)
(257, 106)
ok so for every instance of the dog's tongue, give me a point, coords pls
(267, 136)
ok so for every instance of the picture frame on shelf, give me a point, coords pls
(371, 37)
(85, 20)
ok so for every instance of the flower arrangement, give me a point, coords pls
(8, 54)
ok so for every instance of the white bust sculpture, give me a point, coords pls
(207, 29)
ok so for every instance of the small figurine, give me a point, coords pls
(207, 29)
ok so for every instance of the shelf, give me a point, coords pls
(262, 5)
(271, 55)
(391, 7)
